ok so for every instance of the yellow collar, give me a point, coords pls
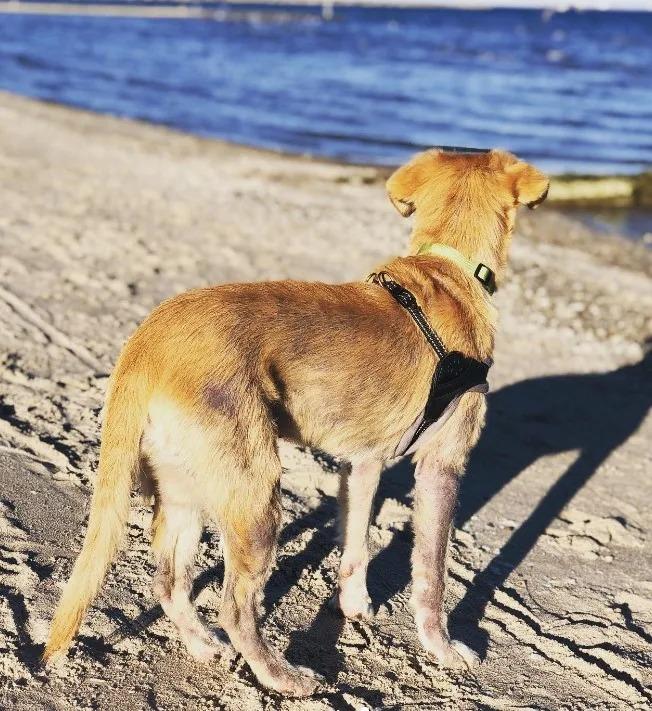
(477, 270)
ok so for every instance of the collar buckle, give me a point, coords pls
(486, 277)
(478, 270)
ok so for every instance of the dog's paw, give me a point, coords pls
(204, 645)
(353, 606)
(453, 654)
(310, 680)
(462, 656)
(292, 681)
(201, 650)
(448, 652)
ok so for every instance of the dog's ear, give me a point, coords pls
(530, 185)
(404, 183)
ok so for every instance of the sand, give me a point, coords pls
(551, 571)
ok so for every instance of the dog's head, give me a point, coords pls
(466, 199)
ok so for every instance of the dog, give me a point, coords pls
(210, 381)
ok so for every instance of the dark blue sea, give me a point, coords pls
(571, 91)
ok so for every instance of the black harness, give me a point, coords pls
(455, 373)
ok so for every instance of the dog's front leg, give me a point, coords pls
(358, 486)
(436, 489)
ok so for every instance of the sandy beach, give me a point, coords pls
(551, 570)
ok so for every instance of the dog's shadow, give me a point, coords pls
(593, 414)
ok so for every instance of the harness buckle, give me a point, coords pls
(486, 277)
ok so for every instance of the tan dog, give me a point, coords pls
(213, 377)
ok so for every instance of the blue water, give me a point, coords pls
(571, 91)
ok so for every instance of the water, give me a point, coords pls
(635, 223)
(571, 92)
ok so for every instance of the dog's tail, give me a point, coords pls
(124, 417)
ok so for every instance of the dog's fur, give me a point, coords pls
(213, 377)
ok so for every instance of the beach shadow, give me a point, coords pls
(288, 569)
(389, 571)
(591, 413)
(327, 626)
(27, 650)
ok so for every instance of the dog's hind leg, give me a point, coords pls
(356, 497)
(176, 532)
(250, 517)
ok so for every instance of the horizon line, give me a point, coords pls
(200, 9)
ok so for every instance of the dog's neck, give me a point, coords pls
(488, 245)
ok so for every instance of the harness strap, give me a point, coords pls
(455, 373)
(406, 299)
